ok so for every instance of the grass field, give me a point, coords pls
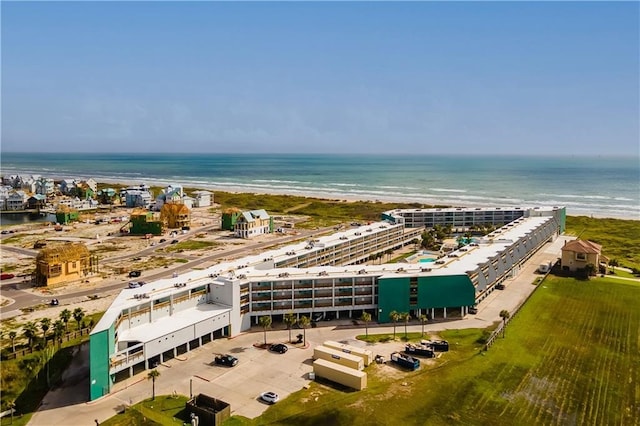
(571, 356)
(164, 410)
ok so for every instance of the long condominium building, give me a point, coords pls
(326, 275)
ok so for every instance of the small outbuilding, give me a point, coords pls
(209, 411)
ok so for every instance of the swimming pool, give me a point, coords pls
(427, 260)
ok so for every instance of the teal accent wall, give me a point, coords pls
(563, 219)
(100, 350)
(433, 292)
(393, 295)
(445, 291)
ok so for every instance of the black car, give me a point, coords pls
(134, 274)
(174, 241)
(499, 286)
(228, 360)
(162, 240)
(279, 348)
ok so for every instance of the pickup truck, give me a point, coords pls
(405, 361)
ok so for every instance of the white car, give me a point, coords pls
(270, 397)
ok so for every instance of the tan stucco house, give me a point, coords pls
(577, 254)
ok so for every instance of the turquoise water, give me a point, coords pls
(429, 260)
(585, 185)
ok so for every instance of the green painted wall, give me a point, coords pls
(100, 350)
(393, 295)
(141, 225)
(445, 291)
(562, 219)
(433, 292)
(229, 220)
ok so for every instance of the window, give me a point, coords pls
(581, 256)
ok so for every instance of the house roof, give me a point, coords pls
(252, 215)
(582, 246)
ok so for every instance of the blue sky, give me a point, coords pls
(423, 77)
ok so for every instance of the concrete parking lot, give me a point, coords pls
(258, 369)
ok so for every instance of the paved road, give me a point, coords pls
(259, 370)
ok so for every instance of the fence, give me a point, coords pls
(50, 342)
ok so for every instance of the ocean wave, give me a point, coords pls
(589, 197)
(447, 190)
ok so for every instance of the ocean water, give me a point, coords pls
(598, 186)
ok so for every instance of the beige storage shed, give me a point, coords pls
(365, 354)
(333, 355)
(346, 376)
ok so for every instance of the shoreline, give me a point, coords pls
(344, 197)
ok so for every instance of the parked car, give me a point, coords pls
(134, 284)
(499, 286)
(135, 274)
(269, 397)
(174, 241)
(473, 310)
(279, 348)
(6, 276)
(228, 360)
(54, 302)
(4, 232)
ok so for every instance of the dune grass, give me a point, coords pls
(569, 357)
(620, 239)
(164, 410)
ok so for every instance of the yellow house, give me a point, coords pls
(577, 254)
(253, 223)
(62, 264)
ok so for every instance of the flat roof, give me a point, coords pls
(158, 328)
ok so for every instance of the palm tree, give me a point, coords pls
(290, 319)
(406, 317)
(304, 321)
(78, 314)
(423, 320)
(45, 323)
(65, 316)
(153, 374)
(388, 252)
(29, 330)
(265, 322)
(366, 318)
(504, 314)
(12, 336)
(394, 316)
(58, 331)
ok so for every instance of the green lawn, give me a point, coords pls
(571, 356)
(164, 410)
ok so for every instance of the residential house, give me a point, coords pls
(203, 199)
(108, 196)
(68, 187)
(64, 263)
(137, 198)
(577, 254)
(175, 215)
(171, 194)
(36, 202)
(5, 190)
(253, 223)
(17, 200)
(45, 186)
